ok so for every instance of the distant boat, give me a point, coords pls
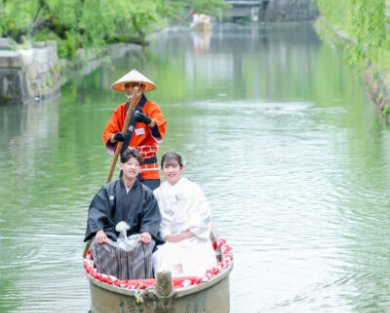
(209, 293)
(201, 22)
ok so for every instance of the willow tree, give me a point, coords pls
(78, 24)
(366, 24)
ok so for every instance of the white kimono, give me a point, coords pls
(184, 207)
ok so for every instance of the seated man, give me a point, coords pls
(127, 200)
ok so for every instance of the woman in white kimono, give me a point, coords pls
(185, 223)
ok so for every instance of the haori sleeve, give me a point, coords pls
(151, 217)
(153, 111)
(113, 126)
(98, 214)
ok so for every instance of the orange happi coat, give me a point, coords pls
(143, 139)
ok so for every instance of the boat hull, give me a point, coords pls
(212, 296)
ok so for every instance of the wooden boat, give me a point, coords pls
(201, 22)
(209, 293)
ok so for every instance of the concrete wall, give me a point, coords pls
(37, 73)
(29, 74)
(291, 10)
(12, 80)
(274, 10)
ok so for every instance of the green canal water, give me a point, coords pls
(275, 127)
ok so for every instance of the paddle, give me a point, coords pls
(124, 131)
(134, 101)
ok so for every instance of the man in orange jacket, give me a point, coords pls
(146, 129)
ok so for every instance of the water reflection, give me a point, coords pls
(272, 124)
(201, 40)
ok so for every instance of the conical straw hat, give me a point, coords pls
(133, 77)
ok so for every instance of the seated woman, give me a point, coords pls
(185, 223)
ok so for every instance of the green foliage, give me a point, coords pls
(365, 22)
(386, 113)
(16, 16)
(210, 7)
(171, 9)
(78, 24)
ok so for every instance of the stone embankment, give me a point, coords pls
(28, 74)
(272, 10)
(36, 73)
(290, 10)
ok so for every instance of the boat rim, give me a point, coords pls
(178, 292)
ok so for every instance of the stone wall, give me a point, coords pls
(12, 80)
(28, 74)
(37, 73)
(272, 10)
(290, 10)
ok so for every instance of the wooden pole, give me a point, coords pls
(164, 284)
(134, 101)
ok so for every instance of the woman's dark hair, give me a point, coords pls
(171, 156)
(131, 153)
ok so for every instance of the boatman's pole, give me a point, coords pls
(134, 101)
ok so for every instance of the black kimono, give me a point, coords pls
(112, 204)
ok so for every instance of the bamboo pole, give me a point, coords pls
(134, 102)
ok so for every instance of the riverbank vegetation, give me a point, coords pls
(80, 24)
(364, 28)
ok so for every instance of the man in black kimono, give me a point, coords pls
(125, 199)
